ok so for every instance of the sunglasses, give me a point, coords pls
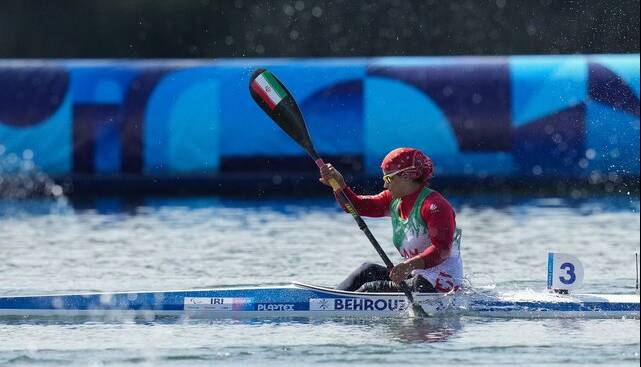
(388, 177)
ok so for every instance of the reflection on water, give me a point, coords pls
(403, 330)
(400, 329)
(432, 330)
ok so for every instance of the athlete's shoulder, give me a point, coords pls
(435, 203)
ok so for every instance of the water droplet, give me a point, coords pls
(590, 154)
(56, 190)
(537, 170)
(288, 10)
(27, 154)
(583, 163)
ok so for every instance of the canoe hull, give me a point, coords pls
(300, 300)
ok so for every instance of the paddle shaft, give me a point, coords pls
(345, 202)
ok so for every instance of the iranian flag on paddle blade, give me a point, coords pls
(268, 89)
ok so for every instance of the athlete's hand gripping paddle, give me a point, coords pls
(277, 102)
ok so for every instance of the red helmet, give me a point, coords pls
(414, 163)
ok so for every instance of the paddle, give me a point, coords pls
(272, 96)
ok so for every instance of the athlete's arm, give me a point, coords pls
(366, 205)
(369, 205)
(440, 218)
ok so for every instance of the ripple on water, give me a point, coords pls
(48, 246)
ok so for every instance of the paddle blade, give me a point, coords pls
(277, 102)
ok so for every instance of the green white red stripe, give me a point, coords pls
(268, 88)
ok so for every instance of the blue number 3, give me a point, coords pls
(569, 268)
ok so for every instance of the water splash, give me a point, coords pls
(20, 178)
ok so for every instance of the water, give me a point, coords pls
(151, 244)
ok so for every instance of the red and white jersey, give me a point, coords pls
(433, 235)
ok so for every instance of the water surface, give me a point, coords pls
(167, 243)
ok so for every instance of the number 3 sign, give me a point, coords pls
(564, 271)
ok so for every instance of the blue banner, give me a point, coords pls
(522, 116)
